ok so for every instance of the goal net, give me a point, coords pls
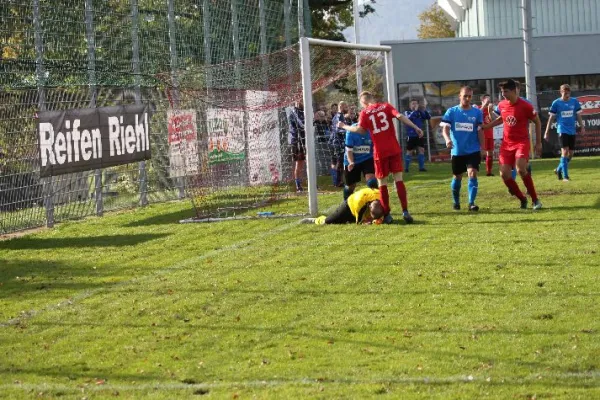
(232, 132)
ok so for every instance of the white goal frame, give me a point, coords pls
(311, 162)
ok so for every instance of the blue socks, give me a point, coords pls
(407, 160)
(298, 184)
(455, 186)
(421, 158)
(564, 166)
(513, 173)
(473, 186)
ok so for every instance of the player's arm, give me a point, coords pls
(580, 122)
(481, 137)
(551, 119)
(496, 122)
(446, 134)
(355, 129)
(404, 119)
(349, 151)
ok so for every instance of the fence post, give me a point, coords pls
(135, 44)
(91, 54)
(40, 79)
(179, 181)
(428, 139)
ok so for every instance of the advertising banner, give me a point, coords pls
(91, 138)
(225, 135)
(183, 143)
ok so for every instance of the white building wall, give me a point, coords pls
(502, 18)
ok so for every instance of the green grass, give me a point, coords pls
(500, 304)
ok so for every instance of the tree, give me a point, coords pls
(330, 17)
(434, 24)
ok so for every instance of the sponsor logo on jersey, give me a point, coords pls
(362, 149)
(463, 127)
(511, 120)
(589, 104)
(566, 114)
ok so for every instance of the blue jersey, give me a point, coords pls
(463, 129)
(416, 117)
(361, 145)
(566, 115)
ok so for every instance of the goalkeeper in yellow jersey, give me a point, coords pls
(362, 207)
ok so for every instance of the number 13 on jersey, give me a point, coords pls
(383, 124)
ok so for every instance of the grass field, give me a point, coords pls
(501, 304)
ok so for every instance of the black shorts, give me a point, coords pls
(298, 151)
(567, 141)
(354, 176)
(414, 141)
(460, 164)
(337, 154)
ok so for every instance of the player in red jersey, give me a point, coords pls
(488, 145)
(515, 114)
(377, 118)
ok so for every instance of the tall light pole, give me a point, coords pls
(529, 70)
(356, 41)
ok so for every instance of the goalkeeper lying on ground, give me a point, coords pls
(362, 207)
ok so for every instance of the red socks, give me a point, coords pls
(401, 190)
(384, 197)
(528, 182)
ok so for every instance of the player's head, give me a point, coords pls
(334, 107)
(342, 107)
(300, 104)
(565, 91)
(366, 98)
(320, 115)
(509, 90)
(414, 105)
(486, 99)
(465, 96)
(376, 209)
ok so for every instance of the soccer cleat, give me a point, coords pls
(388, 219)
(299, 189)
(524, 204)
(537, 205)
(558, 174)
(456, 206)
(489, 174)
(422, 170)
(407, 217)
(566, 179)
(473, 207)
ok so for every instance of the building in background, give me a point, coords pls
(489, 49)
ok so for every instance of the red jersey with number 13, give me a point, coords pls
(378, 119)
(516, 119)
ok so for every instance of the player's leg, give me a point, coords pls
(459, 167)
(381, 173)
(351, 178)
(410, 147)
(396, 169)
(421, 155)
(473, 170)
(507, 161)
(368, 169)
(522, 155)
(569, 155)
(298, 156)
(342, 215)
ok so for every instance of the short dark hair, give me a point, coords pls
(510, 84)
(485, 95)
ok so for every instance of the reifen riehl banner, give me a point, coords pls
(92, 138)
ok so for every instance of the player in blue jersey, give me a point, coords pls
(358, 160)
(297, 141)
(414, 140)
(566, 110)
(460, 129)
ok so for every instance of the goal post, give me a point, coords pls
(307, 96)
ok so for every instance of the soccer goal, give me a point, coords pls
(231, 139)
(324, 62)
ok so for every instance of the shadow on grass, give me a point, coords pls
(35, 243)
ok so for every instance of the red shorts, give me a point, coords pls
(385, 166)
(509, 152)
(488, 144)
